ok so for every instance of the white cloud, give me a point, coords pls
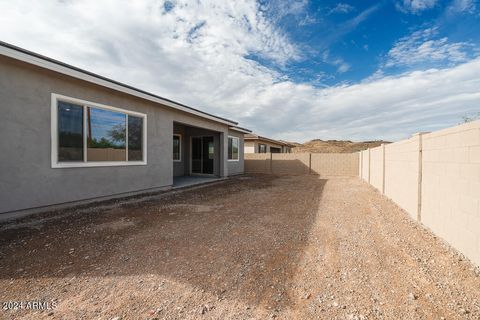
(338, 62)
(143, 45)
(422, 47)
(342, 8)
(280, 8)
(466, 6)
(415, 6)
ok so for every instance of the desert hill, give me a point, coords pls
(334, 146)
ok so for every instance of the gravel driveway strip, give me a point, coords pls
(252, 247)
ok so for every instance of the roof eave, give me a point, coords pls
(267, 140)
(240, 129)
(23, 55)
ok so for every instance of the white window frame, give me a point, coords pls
(238, 153)
(85, 163)
(180, 152)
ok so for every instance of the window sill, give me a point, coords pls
(233, 160)
(97, 164)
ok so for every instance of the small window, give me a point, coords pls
(262, 148)
(177, 147)
(233, 146)
(86, 134)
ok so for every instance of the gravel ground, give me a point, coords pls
(256, 247)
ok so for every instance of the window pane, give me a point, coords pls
(70, 132)
(105, 135)
(230, 145)
(176, 148)
(135, 138)
(235, 149)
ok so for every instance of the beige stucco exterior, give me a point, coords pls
(252, 145)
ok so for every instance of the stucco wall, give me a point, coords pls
(237, 167)
(180, 167)
(26, 177)
(249, 147)
(435, 177)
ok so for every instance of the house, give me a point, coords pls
(71, 136)
(258, 144)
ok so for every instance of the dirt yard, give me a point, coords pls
(251, 247)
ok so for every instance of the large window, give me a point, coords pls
(106, 140)
(233, 146)
(177, 148)
(89, 134)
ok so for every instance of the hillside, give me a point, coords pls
(334, 146)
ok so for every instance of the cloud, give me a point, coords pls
(342, 8)
(422, 47)
(338, 62)
(462, 6)
(336, 33)
(389, 107)
(147, 46)
(279, 9)
(415, 6)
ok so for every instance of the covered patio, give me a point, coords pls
(196, 152)
(188, 181)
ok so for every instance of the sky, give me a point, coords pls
(292, 70)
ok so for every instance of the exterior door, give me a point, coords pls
(207, 155)
(196, 155)
(203, 153)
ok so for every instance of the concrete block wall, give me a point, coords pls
(325, 164)
(365, 165)
(290, 163)
(435, 177)
(402, 172)
(451, 186)
(257, 162)
(376, 167)
(335, 164)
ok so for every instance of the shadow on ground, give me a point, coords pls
(240, 239)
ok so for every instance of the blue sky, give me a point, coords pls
(293, 70)
(347, 42)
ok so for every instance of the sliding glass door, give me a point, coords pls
(203, 153)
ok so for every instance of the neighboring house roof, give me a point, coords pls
(287, 143)
(253, 136)
(240, 129)
(30, 57)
